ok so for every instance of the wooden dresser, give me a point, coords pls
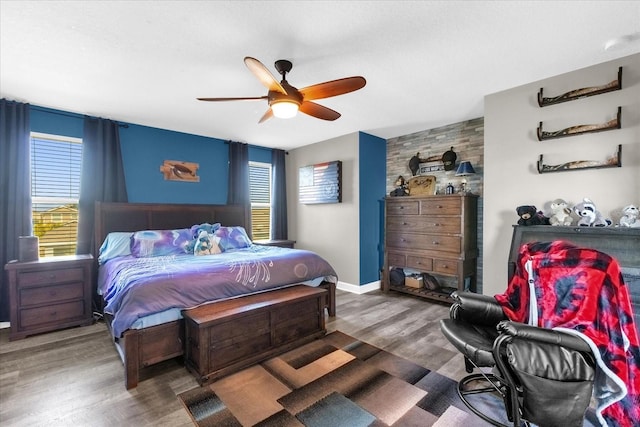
(223, 337)
(49, 294)
(432, 234)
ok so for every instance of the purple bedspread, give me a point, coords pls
(137, 287)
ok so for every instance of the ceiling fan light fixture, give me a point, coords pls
(284, 109)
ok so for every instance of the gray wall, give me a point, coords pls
(331, 230)
(511, 150)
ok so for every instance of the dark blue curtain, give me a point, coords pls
(102, 177)
(15, 191)
(279, 229)
(238, 174)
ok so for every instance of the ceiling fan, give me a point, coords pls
(285, 100)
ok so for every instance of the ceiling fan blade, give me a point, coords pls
(252, 98)
(332, 88)
(263, 74)
(266, 116)
(318, 111)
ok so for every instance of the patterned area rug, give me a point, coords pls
(334, 381)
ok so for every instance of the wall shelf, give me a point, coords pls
(581, 129)
(581, 93)
(614, 162)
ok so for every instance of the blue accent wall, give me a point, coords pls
(144, 149)
(372, 177)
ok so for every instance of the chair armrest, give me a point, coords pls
(543, 335)
(476, 309)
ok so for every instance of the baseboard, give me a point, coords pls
(355, 289)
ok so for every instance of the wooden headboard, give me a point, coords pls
(110, 217)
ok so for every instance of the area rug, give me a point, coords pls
(334, 381)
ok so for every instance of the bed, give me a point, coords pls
(147, 338)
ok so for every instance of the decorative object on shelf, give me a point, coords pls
(464, 169)
(320, 183)
(401, 188)
(175, 170)
(424, 185)
(589, 215)
(580, 129)
(450, 189)
(572, 95)
(631, 217)
(449, 160)
(28, 248)
(561, 213)
(530, 215)
(611, 162)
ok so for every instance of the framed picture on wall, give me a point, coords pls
(320, 183)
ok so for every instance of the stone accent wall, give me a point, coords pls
(467, 140)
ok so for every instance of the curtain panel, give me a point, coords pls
(15, 187)
(102, 177)
(238, 192)
(279, 229)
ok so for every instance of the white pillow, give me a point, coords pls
(115, 244)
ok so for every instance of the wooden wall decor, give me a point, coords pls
(581, 93)
(320, 183)
(175, 170)
(612, 162)
(580, 129)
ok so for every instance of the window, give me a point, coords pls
(55, 190)
(260, 196)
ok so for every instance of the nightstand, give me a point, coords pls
(49, 294)
(280, 243)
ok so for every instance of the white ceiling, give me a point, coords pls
(427, 63)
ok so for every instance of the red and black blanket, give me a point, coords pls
(558, 285)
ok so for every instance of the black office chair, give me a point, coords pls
(543, 376)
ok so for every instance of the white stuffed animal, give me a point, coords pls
(631, 217)
(589, 215)
(561, 213)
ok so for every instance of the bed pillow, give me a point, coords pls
(150, 243)
(115, 244)
(232, 238)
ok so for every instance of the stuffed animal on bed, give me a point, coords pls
(206, 244)
(589, 215)
(631, 217)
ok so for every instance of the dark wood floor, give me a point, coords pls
(75, 377)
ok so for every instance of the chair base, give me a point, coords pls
(489, 384)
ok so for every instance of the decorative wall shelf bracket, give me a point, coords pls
(581, 93)
(580, 129)
(613, 162)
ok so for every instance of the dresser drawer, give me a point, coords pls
(50, 294)
(441, 206)
(420, 263)
(403, 207)
(54, 313)
(50, 277)
(396, 260)
(446, 266)
(422, 224)
(431, 242)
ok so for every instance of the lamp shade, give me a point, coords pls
(464, 169)
(284, 109)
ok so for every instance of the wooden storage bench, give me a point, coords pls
(223, 337)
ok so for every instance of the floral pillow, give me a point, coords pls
(150, 243)
(232, 238)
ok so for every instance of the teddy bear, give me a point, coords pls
(529, 215)
(561, 213)
(589, 215)
(631, 217)
(206, 244)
